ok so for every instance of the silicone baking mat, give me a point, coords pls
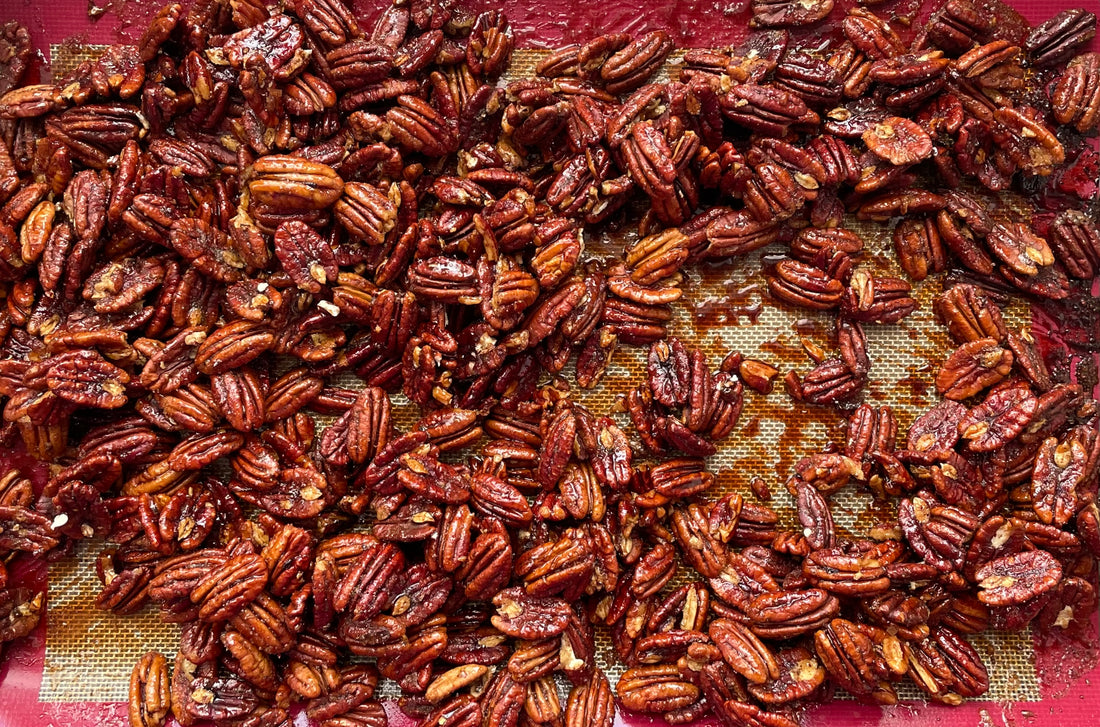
(74, 669)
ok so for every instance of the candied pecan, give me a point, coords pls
(1076, 95)
(1057, 475)
(784, 13)
(764, 109)
(655, 688)
(150, 691)
(233, 346)
(1058, 38)
(805, 286)
(974, 366)
(15, 54)
(969, 314)
(522, 616)
(632, 65)
(938, 533)
(293, 184)
(862, 658)
(1076, 241)
(23, 529)
(947, 668)
(898, 141)
(878, 300)
(590, 704)
(846, 574)
(743, 651)
(20, 611)
(228, 588)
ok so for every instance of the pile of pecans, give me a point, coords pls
(197, 238)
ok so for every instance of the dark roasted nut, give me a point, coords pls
(783, 13)
(1057, 39)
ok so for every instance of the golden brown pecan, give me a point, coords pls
(150, 691)
(293, 184)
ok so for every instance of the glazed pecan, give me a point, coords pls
(782, 13)
(1056, 40)
(657, 688)
(974, 366)
(357, 267)
(150, 691)
(293, 184)
(1076, 95)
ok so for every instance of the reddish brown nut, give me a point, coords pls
(1018, 578)
(150, 691)
(522, 616)
(898, 141)
(799, 675)
(998, 419)
(782, 13)
(20, 611)
(591, 704)
(657, 688)
(974, 366)
(294, 184)
(743, 651)
(1076, 95)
